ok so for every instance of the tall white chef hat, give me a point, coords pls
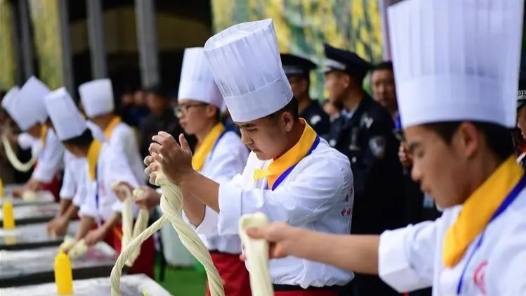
(26, 106)
(8, 103)
(68, 123)
(456, 60)
(97, 97)
(197, 82)
(246, 65)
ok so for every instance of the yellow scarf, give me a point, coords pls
(111, 126)
(93, 157)
(290, 158)
(477, 211)
(204, 148)
(43, 134)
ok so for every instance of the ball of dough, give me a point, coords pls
(29, 195)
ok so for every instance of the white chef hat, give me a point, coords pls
(197, 82)
(456, 60)
(246, 65)
(68, 123)
(26, 105)
(97, 97)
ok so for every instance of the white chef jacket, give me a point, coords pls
(317, 195)
(123, 137)
(50, 160)
(112, 167)
(226, 160)
(75, 169)
(411, 258)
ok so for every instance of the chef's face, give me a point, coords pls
(443, 169)
(194, 116)
(267, 137)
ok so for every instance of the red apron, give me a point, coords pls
(233, 272)
(146, 260)
(53, 186)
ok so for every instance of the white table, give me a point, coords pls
(43, 197)
(32, 236)
(36, 266)
(131, 285)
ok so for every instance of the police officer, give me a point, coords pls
(364, 132)
(297, 70)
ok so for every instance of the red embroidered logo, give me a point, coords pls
(479, 277)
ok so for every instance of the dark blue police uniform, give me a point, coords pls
(366, 136)
(314, 114)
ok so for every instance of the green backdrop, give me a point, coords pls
(303, 25)
(7, 57)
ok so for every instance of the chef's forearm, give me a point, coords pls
(358, 253)
(86, 223)
(202, 188)
(64, 205)
(72, 211)
(193, 208)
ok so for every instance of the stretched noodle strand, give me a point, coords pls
(13, 159)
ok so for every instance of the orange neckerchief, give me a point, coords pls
(93, 157)
(111, 126)
(205, 147)
(477, 211)
(290, 158)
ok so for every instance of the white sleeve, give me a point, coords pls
(82, 191)
(50, 160)
(406, 256)
(89, 206)
(69, 184)
(313, 192)
(119, 170)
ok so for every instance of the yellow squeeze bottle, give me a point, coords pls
(8, 217)
(1, 188)
(63, 274)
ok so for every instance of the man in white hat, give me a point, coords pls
(97, 101)
(457, 102)
(105, 165)
(291, 175)
(219, 155)
(27, 109)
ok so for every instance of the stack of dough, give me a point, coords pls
(256, 251)
(171, 204)
(11, 156)
(130, 231)
(29, 195)
(75, 249)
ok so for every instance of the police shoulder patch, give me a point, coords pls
(378, 146)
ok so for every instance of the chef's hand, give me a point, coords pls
(121, 192)
(279, 235)
(148, 199)
(32, 184)
(405, 157)
(175, 159)
(58, 226)
(94, 236)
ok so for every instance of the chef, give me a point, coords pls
(457, 100)
(220, 155)
(27, 109)
(106, 165)
(97, 101)
(291, 174)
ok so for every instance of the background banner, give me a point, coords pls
(7, 55)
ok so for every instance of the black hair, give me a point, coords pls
(82, 141)
(498, 138)
(385, 65)
(292, 107)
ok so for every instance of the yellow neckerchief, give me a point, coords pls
(93, 157)
(477, 211)
(290, 158)
(111, 126)
(43, 134)
(204, 148)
